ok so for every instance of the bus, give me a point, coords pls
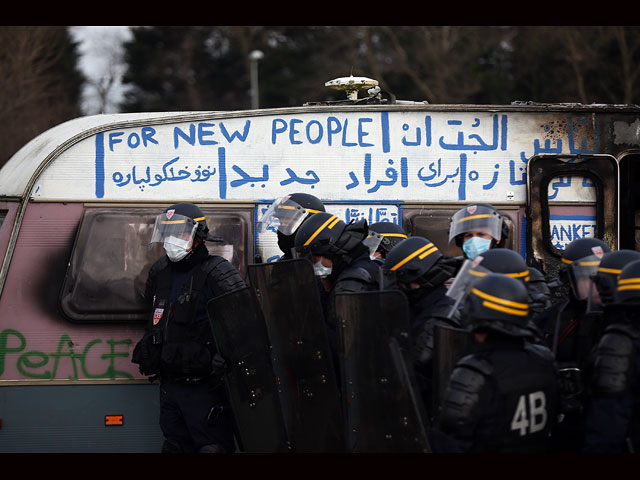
(77, 205)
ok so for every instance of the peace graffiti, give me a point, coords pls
(40, 365)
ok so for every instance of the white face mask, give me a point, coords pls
(320, 270)
(174, 252)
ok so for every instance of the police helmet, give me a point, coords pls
(580, 261)
(506, 261)
(478, 217)
(411, 259)
(628, 287)
(287, 213)
(609, 270)
(307, 201)
(498, 303)
(325, 234)
(180, 224)
(391, 233)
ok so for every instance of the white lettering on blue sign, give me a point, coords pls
(267, 242)
(566, 228)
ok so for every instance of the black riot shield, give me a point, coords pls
(288, 292)
(241, 338)
(450, 344)
(383, 407)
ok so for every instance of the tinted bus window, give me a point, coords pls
(111, 258)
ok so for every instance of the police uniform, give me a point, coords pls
(613, 415)
(178, 346)
(417, 261)
(352, 271)
(504, 396)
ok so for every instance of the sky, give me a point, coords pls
(101, 53)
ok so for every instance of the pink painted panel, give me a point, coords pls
(36, 341)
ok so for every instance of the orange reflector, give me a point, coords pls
(113, 420)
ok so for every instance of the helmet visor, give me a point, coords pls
(283, 215)
(581, 274)
(470, 272)
(372, 242)
(174, 229)
(479, 221)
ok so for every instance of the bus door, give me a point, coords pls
(629, 162)
(569, 197)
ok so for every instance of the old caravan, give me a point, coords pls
(77, 205)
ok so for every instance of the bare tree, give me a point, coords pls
(32, 95)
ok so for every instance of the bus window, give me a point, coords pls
(434, 225)
(572, 209)
(111, 258)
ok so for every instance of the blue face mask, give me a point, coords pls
(475, 246)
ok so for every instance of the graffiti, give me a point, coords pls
(35, 364)
(446, 156)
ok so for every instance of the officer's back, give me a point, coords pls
(504, 396)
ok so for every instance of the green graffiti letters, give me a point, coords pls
(40, 365)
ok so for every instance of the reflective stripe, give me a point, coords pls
(609, 270)
(312, 211)
(564, 260)
(198, 219)
(473, 217)
(394, 235)
(589, 264)
(172, 221)
(500, 308)
(287, 207)
(333, 219)
(502, 301)
(519, 275)
(428, 252)
(629, 284)
(414, 254)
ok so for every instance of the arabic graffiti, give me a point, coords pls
(40, 365)
(377, 155)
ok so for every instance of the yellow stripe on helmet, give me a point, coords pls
(625, 281)
(500, 308)
(402, 235)
(331, 219)
(615, 271)
(501, 301)
(424, 250)
(473, 217)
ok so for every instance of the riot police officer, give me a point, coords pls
(420, 271)
(605, 281)
(503, 397)
(287, 214)
(477, 228)
(568, 327)
(510, 263)
(613, 415)
(178, 345)
(571, 332)
(391, 233)
(340, 259)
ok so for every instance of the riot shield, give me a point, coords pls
(241, 338)
(288, 292)
(383, 408)
(450, 344)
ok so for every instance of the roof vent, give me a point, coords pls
(352, 85)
